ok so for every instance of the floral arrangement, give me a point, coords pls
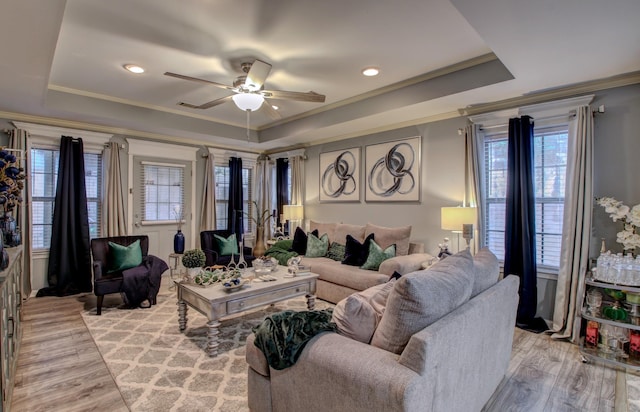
(194, 258)
(618, 211)
(11, 181)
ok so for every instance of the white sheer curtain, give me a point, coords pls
(574, 255)
(208, 209)
(19, 140)
(474, 166)
(264, 190)
(115, 222)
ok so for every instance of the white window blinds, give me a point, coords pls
(550, 161)
(163, 192)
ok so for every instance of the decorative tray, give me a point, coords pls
(231, 286)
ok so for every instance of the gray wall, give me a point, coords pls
(616, 166)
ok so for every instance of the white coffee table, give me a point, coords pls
(215, 302)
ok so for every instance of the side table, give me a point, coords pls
(176, 270)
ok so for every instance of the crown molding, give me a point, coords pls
(553, 94)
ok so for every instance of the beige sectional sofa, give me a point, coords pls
(337, 280)
(443, 344)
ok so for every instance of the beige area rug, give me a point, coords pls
(157, 368)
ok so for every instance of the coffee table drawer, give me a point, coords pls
(239, 305)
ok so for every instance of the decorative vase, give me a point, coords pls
(178, 242)
(259, 248)
(193, 272)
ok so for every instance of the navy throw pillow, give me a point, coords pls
(299, 244)
(355, 253)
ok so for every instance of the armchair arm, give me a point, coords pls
(337, 373)
(404, 264)
(211, 257)
(97, 269)
(247, 251)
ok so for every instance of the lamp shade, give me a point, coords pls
(452, 218)
(248, 101)
(293, 212)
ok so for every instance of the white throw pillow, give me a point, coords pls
(358, 315)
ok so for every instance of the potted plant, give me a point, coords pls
(193, 260)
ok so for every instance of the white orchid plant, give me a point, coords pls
(630, 217)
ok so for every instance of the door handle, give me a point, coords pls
(136, 224)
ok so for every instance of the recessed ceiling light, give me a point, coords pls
(370, 71)
(275, 107)
(133, 68)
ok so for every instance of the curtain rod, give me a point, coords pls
(570, 115)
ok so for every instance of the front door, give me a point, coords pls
(162, 202)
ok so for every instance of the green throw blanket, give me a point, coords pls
(281, 250)
(283, 335)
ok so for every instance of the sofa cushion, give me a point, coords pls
(317, 246)
(124, 257)
(487, 270)
(227, 246)
(387, 236)
(343, 229)
(421, 298)
(377, 255)
(355, 253)
(336, 251)
(322, 228)
(358, 315)
(299, 244)
(348, 276)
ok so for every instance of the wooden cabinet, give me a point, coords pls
(10, 326)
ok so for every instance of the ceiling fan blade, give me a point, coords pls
(257, 75)
(195, 79)
(207, 105)
(270, 111)
(299, 96)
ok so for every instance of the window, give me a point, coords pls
(222, 196)
(163, 194)
(44, 176)
(550, 162)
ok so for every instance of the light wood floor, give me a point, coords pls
(60, 369)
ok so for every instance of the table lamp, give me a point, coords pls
(458, 220)
(292, 213)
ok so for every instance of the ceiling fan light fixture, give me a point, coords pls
(370, 71)
(133, 68)
(248, 101)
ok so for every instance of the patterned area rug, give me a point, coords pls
(157, 368)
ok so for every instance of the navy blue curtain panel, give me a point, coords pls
(69, 270)
(234, 212)
(282, 189)
(520, 224)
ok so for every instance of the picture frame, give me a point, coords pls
(392, 171)
(340, 175)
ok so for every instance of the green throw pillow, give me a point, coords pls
(125, 257)
(336, 251)
(377, 255)
(228, 246)
(317, 247)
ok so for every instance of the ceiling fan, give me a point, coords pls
(248, 89)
